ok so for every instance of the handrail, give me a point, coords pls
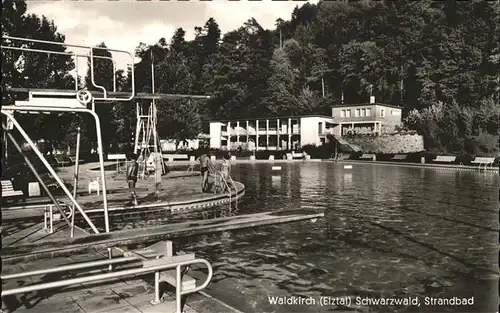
(136, 271)
(6, 111)
(76, 55)
(91, 49)
(49, 167)
(217, 174)
(70, 267)
(235, 190)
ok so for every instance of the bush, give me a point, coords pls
(458, 129)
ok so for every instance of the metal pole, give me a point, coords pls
(51, 170)
(157, 298)
(178, 289)
(323, 86)
(5, 147)
(69, 267)
(135, 271)
(100, 152)
(152, 74)
(75, 181)
(76, 72)
(40, 180)
(137, 127)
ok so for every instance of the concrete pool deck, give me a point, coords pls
(393, 163)
(127, 294)
(455, 167)
(180, 191)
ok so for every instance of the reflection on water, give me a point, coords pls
(388, 231)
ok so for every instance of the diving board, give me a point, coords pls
(52, 247)
(97, 94)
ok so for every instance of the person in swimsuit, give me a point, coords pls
(225, 169)
(158, 173)
(132, 170)
(204, 170)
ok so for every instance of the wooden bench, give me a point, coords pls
(60, 160)
(8, 190)
(445, 159)
(483, 161)
(293, 155)
(368, 156)
(73, 159)
(118, 158)
(399, 157)
(48, 180)
(173, 157)
(341, 156)
(162, 252)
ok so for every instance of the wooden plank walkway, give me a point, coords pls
(57, 245)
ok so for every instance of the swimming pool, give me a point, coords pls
(388, 232)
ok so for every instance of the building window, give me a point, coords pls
(356, 113)
(368, 112)
(382, 112)
(395, 112)
(363, 112)
(342, 113)
(348, 113)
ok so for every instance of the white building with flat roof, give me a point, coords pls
(273, 133)
(294, 132)
(366, 118)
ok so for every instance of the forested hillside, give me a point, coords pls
(440, 59)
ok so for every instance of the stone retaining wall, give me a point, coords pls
(389, 143)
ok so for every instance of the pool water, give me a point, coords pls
(388, 231)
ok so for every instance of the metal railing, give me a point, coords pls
(179, 292)
(11, 118)
(222, 183)
(91, 56)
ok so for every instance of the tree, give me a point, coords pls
(35, 69)
(280, 99)
(180, 120)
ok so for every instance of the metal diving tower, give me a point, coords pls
(77, 100)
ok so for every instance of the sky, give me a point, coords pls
(124, 24)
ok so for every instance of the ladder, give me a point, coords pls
(146, 136)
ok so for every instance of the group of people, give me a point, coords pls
(206, 168)
(133, 172)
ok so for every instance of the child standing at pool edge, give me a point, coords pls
(132, 170)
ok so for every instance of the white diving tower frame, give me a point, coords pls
(70, 101)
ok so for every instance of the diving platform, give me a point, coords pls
(99, 94)
(60, 245)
